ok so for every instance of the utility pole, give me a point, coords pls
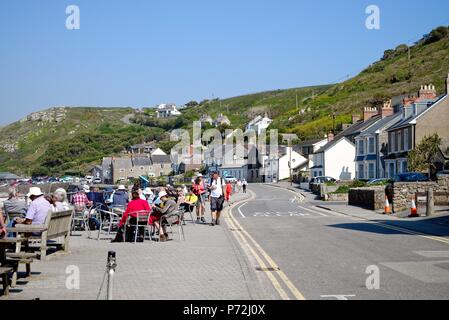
(296, 99)
(290, 161)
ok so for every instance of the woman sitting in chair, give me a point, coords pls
(169, 206)
(136, 205)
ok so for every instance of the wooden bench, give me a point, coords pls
(56, 225)
(4, 273)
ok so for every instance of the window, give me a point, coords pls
(371, 147)
(400, 141)
(391, 170)
(361, 148)
(403, 166)
(392, 142)
(406, 137)
(371, 173)
(361, 173)
(122, 170)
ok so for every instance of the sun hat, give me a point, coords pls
(35, 191)
(86, 188)
(147, 191)
(121, 187)
(162, 194)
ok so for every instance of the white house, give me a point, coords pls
(335, 159)
(278, 168)
(167, 111)
(258, 124)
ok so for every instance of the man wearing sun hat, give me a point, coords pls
(38, 209)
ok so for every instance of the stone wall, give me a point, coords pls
(372, 198)
(404, 191)
(335, 197)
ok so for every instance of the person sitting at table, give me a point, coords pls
(136, 205)
(120, 197)
(149, 195)
(80, 200)
(168, 206)
(60, 202)
(13, 204)
(190, 201)
(37, 211)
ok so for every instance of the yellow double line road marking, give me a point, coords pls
(244, 236)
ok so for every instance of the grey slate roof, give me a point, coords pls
(8, 176)
(161, 158)
(385, 123)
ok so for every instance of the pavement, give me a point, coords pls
(323, 254)
(208, 265)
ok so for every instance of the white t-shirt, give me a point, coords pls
(217, 192)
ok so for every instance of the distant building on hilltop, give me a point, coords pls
(258, 124)
(167, 111)
(221, 120)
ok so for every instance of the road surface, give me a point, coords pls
(325, 255)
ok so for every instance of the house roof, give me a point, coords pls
(409, 120)
(159, 158)
(142, 161)
(352, 130)
(307, 143)
(384, 123)
(122, 163)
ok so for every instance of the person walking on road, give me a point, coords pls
(244, 185)
(239, 185)
(228, 191)
(217, 188)
(200, 191)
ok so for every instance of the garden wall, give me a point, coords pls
(372, 198)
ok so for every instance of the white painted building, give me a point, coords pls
(335, 159)
(258, 124)
(278, 168)
(167, 111)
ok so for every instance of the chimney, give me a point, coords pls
(369, 112)
(387, 109)
(355, 119)
(427, 92)
(330, 136)
(409, 101)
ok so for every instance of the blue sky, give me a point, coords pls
(144, 52)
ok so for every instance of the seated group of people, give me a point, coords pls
(156, 205)
(34, 213)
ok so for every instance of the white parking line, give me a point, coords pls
(339, 296)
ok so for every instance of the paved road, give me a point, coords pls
(326, 255)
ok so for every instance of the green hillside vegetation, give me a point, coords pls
(395, 74)
(69, 146)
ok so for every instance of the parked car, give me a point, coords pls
(323, 179)
(378, 181)
(67, 179)
(97, 181)
(89, 179)
(411, 177)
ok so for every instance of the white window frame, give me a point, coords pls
(371, 163)
(374, 145)
(406, 137)
(360, 147)
(360, 173)
(393, 141)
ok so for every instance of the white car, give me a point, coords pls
(89, 179)
(230, 179)
(97, 181)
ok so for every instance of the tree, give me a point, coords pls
(192, 103)
(421, 158)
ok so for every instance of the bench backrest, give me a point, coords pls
(58, 223)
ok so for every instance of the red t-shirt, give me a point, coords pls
(133, 207)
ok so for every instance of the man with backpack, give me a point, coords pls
(217, 187)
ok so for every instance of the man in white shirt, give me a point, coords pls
(217, 185)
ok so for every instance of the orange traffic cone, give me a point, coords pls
(413, 210)
(387, 206)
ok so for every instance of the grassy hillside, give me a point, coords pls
(81, 136)
(395, 74)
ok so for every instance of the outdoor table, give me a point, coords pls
(4, 243)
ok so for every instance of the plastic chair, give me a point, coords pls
(142, 219)
(171, 219)
(109, 220)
